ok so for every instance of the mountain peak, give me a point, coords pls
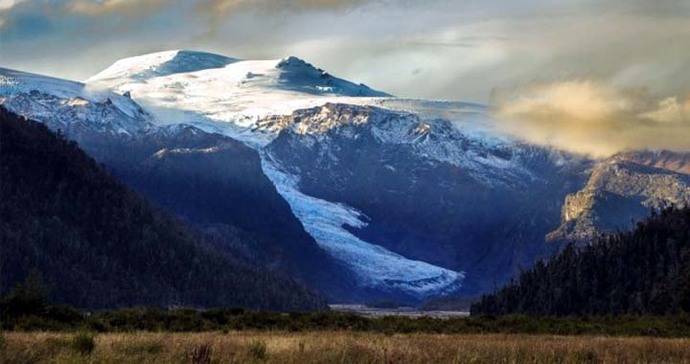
(293, 62)
(141, 68)
(299, 75)
(203, 88)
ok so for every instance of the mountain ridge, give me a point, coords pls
(622, 190)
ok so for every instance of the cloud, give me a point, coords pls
(216, 8)
(448, 49)
(593, 118)
(222, 7)
(104, 7)
(5, 7)
(218, 11)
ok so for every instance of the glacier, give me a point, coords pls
(375, 266)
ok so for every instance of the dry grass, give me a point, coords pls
(341, 347)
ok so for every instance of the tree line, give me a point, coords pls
(644, 271)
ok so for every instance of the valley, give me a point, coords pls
(344, 181)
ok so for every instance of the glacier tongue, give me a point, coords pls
(375, 266)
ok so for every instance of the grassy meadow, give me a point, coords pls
(335, 347)
(59, 334)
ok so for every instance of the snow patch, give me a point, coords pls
(141, 68)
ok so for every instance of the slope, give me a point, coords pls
(99, 245)
(217, 185)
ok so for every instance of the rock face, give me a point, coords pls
(621, 191)
(426, 191)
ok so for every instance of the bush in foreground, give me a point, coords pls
(226, 320)
(83, 343)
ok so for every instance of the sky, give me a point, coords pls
(521, 55)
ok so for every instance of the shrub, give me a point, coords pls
(258, 350)
(83, 343)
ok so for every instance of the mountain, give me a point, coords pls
(446, 233)
(209, 180)
(646, 271)
(225, 99)
(358, 194)
(622, 190)
(99, 245)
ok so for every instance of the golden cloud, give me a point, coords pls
(224, 6)
(595, 119)
(127, 7)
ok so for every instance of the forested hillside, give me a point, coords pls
(97, 244)
(646, 271)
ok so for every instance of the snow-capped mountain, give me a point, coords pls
(257, 102)
(239, 100)
(217, 93)
(383, 197)
(212, 181)
(138, 155)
